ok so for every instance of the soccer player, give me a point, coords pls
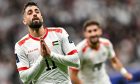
(94, 52)
(43, 55)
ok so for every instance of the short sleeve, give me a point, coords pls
(80, 48)
(68, 45)
(111, 50)
(21, 58)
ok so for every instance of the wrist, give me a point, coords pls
(123, 71)
(51, 54)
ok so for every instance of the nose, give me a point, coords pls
(35, 15)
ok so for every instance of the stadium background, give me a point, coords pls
(119, 19)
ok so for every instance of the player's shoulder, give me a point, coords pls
(23, 40)
(56, 29)
(82, 44)
(105, 41)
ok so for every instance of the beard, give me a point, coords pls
(94, 40)
(35, 24)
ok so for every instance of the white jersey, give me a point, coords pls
(34, 68)
(92, 68)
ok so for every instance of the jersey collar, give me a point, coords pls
(97, 48)
(37, 39)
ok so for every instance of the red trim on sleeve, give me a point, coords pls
(37, 39)
(23, 41)
(22, 68)
(56, 30)
(72, 52)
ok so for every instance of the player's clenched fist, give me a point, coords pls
(45, 51)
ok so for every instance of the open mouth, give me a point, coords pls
(35, 19)
(94, 39)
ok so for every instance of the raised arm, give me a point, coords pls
(71, 59)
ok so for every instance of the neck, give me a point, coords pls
(94, 45)
(37, 32)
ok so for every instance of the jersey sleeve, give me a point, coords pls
(27, 73)
(21, 59)
(79, 48)
(68, 45)
(111, 50)
(70, 56)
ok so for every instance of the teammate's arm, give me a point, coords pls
(74, 71)
(116, 63)
(74, 76)
(118, 66)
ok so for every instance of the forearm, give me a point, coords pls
(118, 66)
(29, 74)
(74, 76)
(69, 60)
(75, 80)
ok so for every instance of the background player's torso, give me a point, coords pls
(92, 68)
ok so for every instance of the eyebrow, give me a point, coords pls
(29, 10)
(36, 9)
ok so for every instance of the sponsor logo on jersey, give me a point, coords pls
(32, 50)
(55, 43)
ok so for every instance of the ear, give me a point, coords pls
(24, 21)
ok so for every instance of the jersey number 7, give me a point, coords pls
(48, 66)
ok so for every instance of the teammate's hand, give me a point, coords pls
(128, 76)
(45, 51)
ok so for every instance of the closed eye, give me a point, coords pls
(29, 12)
(37, 11)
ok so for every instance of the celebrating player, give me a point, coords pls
(43, 55)
(93, 52)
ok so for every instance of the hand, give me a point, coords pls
(45, 51)
(128, 76)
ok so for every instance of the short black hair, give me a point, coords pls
(29, 3)
(89, 23)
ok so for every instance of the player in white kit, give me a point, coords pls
(94, 52)
(43, 55)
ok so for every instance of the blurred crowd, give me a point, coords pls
(119, 19)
